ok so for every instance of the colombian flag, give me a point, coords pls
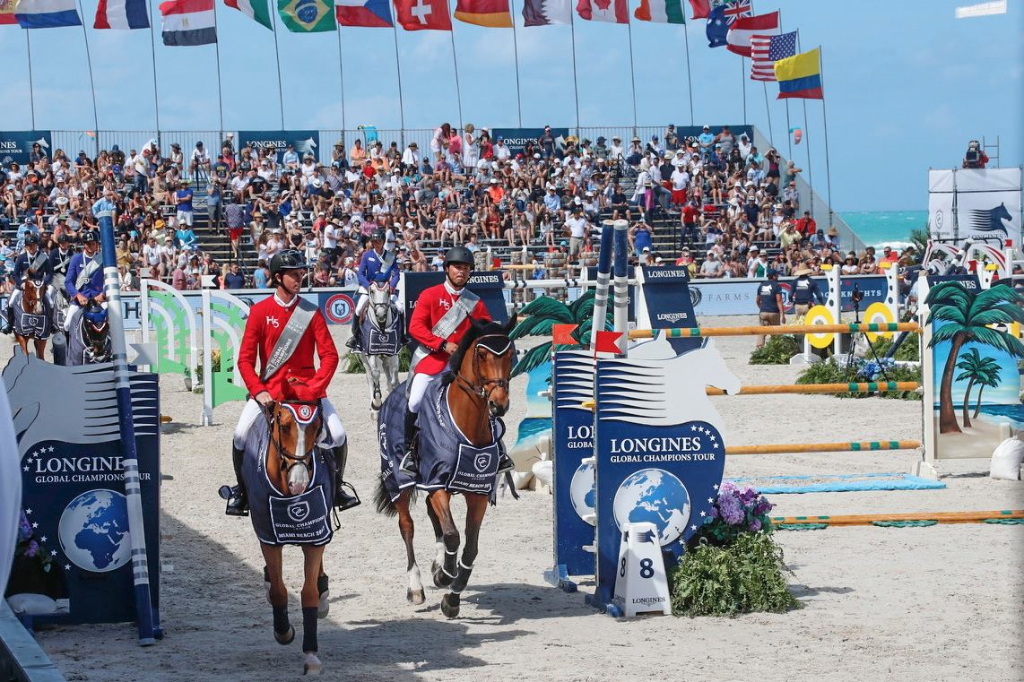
(799, 76)
(489, 13)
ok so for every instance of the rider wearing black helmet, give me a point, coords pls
(84, 279)
(438, 323)
(375, 264)
(32, 263)
(283, 333)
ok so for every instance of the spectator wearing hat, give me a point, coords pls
(833, 237)
(706, 139)
(771, 309)
(850, 266)
(805, 293)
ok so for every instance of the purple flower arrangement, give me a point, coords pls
(735, 512)
(29, 545)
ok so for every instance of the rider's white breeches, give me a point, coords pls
(72, 309)
(418, 388)
(331, 437)
(362, 301)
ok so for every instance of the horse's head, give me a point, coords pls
(380, 301)
(31, 296)
(294, 427)
(1000, 213)
(483, 363)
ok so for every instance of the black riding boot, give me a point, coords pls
(355, 342)
(345, 496)
(410, 464)
(238, 503)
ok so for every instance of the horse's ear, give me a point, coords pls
(511, 324)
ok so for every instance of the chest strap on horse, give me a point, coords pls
(290, 337)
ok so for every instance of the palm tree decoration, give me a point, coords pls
(976, 370)
(967, 316)
(542, 314)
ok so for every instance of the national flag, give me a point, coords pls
(661, 11)
(7, 12)
(47, 13)
(188, 22)
(608, 342)
(489, 13)
(611, 11)
(121, 14)
(547, 12)
(423, 15)
(365, 13)
(257, 10)
(734, 9)
(701, 8)
(744, 27)
(717, 28)
(800, 76)
(766, 50)
(307, 16)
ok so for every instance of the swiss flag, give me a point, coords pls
(423, 15)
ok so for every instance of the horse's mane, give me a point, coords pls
(476, 331)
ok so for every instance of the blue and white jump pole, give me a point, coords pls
(604, 272)
(621, 283)
(148, 619)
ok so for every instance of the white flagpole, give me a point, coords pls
(824, 116)
(92, 83)
(156, 93)
(31, 90)
(807, 135)
(398, 70)
(743, 84)
(632, 70)
(277, 56)
(689, 78)
(455, 63)
(220, 91)
(341, 75)
(575, 77)
(515, 48)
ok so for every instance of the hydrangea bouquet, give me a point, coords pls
(736, 511)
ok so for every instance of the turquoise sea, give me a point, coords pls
(878, 228)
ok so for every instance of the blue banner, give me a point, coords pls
(667, 299)
(572, 379)
(489, 286)
(304, 141)
(516, 139)
(16, 146)
(688, 134)
(738, 296)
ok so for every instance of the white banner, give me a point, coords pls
(987, 180)
(940, 214)
(940, 180)
(988, 214)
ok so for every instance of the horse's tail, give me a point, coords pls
(382, 500)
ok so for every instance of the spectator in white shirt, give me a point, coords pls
(411, 155)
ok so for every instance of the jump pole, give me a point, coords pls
(855, 446)
(604, 268)
(871, 519)
(776, 330)
(863, 387)
(621, 285)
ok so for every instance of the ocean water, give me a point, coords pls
(878, 228)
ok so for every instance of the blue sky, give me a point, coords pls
(906, 84)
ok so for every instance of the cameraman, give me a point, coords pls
(975, 156)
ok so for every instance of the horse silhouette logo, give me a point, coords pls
(991, 220)
(298, 511)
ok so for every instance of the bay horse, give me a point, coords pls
(382, 331)
(290, 488)
(466, 403)
(32, 317)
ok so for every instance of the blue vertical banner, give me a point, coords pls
(666, 296)
(16, 146)
(660, 455)
(572, 375)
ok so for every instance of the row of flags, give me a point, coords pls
(730, 23)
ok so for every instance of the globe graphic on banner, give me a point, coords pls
(581, 492)
(93, 531)
(653, 496)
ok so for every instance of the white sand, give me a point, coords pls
(938, 603)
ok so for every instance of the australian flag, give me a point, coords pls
(717, 27)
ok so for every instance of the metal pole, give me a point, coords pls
(632, 73)
(92, 83)
(401, 103)
(280, 85)
(515, 48)
(148, 625)
(789, 136)
(743, 83)
(156, 94)
(575, 77)
(689, 78)
(767, 108)
(824, 117)
(455, 63)
(807, 138)
(220, 91)
(341, 76)
(31, 90)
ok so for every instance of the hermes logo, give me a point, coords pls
(445, 304)
(272, 321)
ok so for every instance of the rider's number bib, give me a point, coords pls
(475, 469)
(302, 519)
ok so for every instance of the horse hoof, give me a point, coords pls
(441, 579)
(415, 597)
(450, 605)
(312, 666)
(285, 637)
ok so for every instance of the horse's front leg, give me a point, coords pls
(476, 507)
(284, 633)
(372, 365)
(406, 527)
(440, 501)
(40, 348)
(391, 370)
(313, 565)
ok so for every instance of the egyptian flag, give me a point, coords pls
(188, 22)
(489, 13)
(121, 14)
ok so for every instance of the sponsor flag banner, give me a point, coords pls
(304, 141)
(16, 146)
(307, 16)
(800, 76)
(738, 37)
(47, 13)
(365, 13)
(661, 11)
(666, 303)
(489, 286)
(488, 13)
(546, 12)
(423, 15)
(516, 139)
(609, 11)
(257, 10)
(765, 50)
(188, 22)
(7, 12)
(121, 15)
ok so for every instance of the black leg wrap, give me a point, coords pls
(281, 623)
(322, 584)
(309, 643)
(462, 579)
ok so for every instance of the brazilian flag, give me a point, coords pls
(307, 16)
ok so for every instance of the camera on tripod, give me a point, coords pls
(857, 296)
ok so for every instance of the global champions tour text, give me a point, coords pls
(85, 469)
(648, 450)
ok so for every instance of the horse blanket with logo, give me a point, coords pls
(37, 326)
(378, 341)
(302, 519)
(80, 351)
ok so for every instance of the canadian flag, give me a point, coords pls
(612, 11)
(423, 15)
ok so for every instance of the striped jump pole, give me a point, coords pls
(776, 330)
(604, 271)
(620, 282)
(863, 387)
(856, 446)
(872, 519)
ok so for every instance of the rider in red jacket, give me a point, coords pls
(296, 380)
(428, 317)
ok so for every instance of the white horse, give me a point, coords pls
(382, 331)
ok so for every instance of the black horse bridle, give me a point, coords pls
(483, 387)
(290, 460)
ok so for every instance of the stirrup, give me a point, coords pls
(410, 464)
(346, 497)
(238, 503)
(505, 465)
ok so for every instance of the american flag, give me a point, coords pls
(734, 9)
(766, 50)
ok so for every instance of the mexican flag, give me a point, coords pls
(307, 16)
(661, 11)
(256, 10)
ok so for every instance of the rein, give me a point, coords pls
(479, 387)
(290, 460)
